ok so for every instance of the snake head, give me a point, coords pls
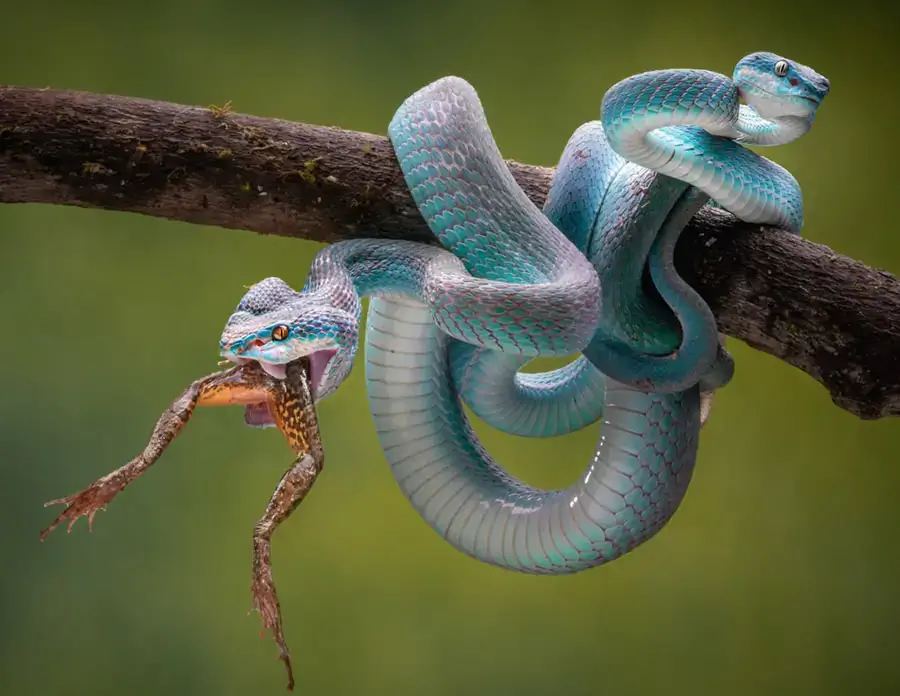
(274, 325)
(776, 86)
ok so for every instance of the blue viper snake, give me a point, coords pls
(591, 273)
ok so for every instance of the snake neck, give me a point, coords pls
(753, 129)
(345, 272)
(332, 284)
(684, 124)
(339, 277)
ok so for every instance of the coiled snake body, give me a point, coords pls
(455, 323)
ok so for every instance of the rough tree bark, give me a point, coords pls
(826, 314)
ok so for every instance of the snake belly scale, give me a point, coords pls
(454, 324)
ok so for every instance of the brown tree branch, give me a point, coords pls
(831, 316)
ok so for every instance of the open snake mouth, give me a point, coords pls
(259, 415)
(318, 364)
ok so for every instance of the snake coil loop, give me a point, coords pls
(454, 325)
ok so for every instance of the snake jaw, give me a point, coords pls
(273, 356)
(798, 92)
(275, 360)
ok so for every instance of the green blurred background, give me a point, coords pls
(778, 576)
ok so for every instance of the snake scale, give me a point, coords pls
(591, 273)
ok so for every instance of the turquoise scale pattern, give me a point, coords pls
(454, 325)
(544, 298)
(646, 453)
(632, 486)
(543, 404)
(669, 120)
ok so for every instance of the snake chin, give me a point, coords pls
(276, 370)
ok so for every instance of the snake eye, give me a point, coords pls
(781, 68)
(280, 332)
